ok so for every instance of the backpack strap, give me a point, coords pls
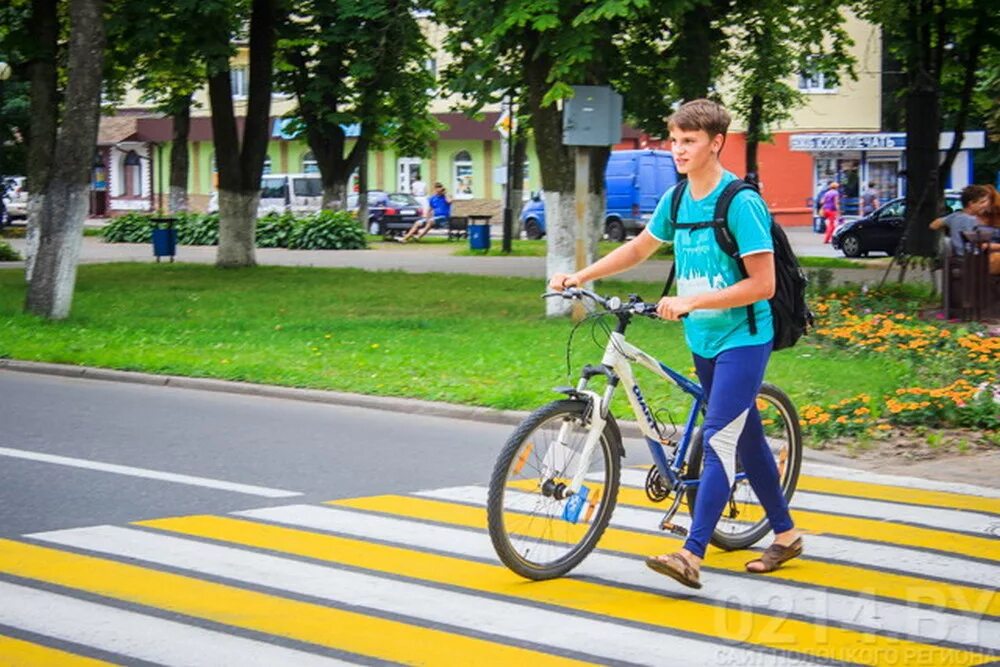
(724, 236)
(675, 207)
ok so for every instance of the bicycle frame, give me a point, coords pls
(616, 365)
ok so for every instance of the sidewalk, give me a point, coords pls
(438, 258)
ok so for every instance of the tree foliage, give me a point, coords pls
(356, 63)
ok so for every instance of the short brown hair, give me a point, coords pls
(701, 114)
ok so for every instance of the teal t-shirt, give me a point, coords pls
(702, 265)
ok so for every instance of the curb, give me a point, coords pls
(629, 429)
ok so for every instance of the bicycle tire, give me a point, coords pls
(789, 469)
(515, 549)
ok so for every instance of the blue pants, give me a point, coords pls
(732, 429)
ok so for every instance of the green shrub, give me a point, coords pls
(328, 230)
(198, 229)
(7, 253)
(274, 230)
(324, 230)
(128, 228)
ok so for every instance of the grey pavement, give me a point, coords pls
(439, 258)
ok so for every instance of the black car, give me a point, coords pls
(880, 230)
(389, 213)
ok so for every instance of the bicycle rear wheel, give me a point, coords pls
(743, 522)
(526, 502)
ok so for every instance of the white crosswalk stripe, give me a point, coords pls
(344, 582)
(139, 636)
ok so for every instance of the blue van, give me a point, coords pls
(634, 182)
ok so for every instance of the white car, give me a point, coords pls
(298, 193)
(15, 197)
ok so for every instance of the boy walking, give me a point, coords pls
(729, 359)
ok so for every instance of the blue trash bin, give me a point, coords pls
(164, 238)
(479, 235)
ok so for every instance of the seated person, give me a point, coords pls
(975, 199)
(440, 211)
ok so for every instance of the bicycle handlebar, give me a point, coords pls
(612, 304)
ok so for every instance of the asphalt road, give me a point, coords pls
(320, 451)
(153, 525)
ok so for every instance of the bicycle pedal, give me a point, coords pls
(680, 531)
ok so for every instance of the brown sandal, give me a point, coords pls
(775, 555)
(676, 567)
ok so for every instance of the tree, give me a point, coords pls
(240, 160)
(62, 206)
(541, 49)
(153, 48)
(361, 63)
(939, 43)
(772, 41)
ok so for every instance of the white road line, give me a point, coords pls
(600, 638)
(114, 468)
(139, 636)
(855, 475)
(862, 554)
(933, 517)
(772, 594)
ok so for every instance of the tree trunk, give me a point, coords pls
(179, 162)
(237, 228)
(923, 127)
(335, 195)
(64, 210)
(517, 187)
(557, 173)
(363, 191)
(44, 28)
(754, 130)
(240, 163)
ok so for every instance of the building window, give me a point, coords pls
(238, 79)
(309, 165)
(463, 182)
(812, 80)
(133, 174)
(267, 165)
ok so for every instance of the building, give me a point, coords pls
(836, 135)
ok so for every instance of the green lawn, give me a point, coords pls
(444, 337)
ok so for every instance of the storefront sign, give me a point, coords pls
(848, 142)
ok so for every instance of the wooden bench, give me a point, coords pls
(970, 291)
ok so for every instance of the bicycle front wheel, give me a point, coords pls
(743, 522)
(532, 531)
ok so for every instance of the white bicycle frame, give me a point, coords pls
(619, 355)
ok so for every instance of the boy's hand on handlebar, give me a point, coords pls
(674, 307)
(561, 281)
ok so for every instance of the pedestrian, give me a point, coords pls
(976, 200)
(729, 358)
(869, 199)
(439, 210)
(831, 209)
(419, 191)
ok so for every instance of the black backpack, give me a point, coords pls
(789, 309)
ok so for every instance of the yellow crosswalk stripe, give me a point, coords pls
(899, 494)
(759, 628)
(270, 614)
(19, 653)
(833, 524)
(814, 573)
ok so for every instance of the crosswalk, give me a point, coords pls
(896, 571)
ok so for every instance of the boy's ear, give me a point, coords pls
(718, 141)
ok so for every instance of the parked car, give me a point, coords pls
(389, 213)
(298, 193)
(15, 199)
(881, 230)
(634, 182)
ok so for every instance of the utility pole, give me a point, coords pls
(508, 200)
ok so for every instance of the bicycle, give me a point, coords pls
(556, 481)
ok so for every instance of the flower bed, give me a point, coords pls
(953, 369)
